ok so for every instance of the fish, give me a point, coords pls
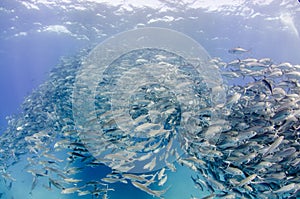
(145, 157)
(254, 66)
(163, 180)
(246, 135)
(171, 166)
(70, 190)
(146, 127)
(161, 173)
(50, 156)
(150, 166)
(285, 188)
(234, 171)
(188, 164)
(8, 176)
(238, 50)
(34, 183)
(273, 146)
(133, 177)
(268, 85)
(156, 193)
(263, 165)
(56, 183)
(247, 180)
(113, 180)
(83, 193)
(215, 184)
(72, 180)
(209, 196)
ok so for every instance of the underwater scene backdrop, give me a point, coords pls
(149, 99)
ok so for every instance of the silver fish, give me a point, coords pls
(247, 180)
(273, 146)
(237, 50)
(150, 166)
(285, 188)
(148, 190)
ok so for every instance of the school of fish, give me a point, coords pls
(257, 153)
(250, 150)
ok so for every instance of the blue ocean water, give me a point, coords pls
(36, 35)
